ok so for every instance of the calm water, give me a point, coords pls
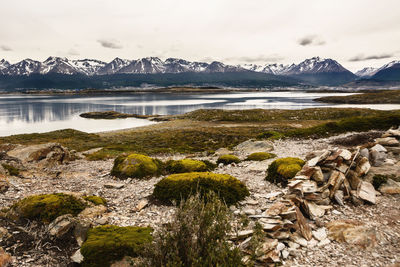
(32, 113)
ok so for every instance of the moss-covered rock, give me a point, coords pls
(228, 159)
(135, 166)
(96, 200)
(260, 156)
(185, 165)
(47, 207)
(283, 169)
(109, 243)
(180, 186)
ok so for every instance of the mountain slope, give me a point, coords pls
(388, 72)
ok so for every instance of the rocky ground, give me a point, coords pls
(129, 203)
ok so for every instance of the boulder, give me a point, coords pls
(351, 232)
(390, 187)
(251, 146)
(379, 148)
(363, 166)
(50, 153)
(366, 191)
(377, 158)
(364, 153)
(388, 141)
(61, 225)
(136, 166)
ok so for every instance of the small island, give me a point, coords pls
(111, 115)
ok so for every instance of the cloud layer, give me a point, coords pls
(5, 48)
(370, 57)
(311, 40)
(107, 43)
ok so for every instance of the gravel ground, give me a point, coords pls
(89, 177)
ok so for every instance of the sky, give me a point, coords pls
(356, 33)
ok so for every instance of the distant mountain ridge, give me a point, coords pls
(312, 71)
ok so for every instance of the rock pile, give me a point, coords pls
(329, 177)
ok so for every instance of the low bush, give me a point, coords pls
(185, 165)
(10, 169)
(260, 156)
(47, 207)
(228, 159)
(180, 186)
(271, 135)
(283, 169)
(378, 180)
(109, 243)
(96, 200)
(198, 236)
(136, 166)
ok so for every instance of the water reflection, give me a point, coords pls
(26, 114)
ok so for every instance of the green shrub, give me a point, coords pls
(96, 200)
(109, 243)
(11, 169)
(185, 165)
(378, 180)
(260, 156)
(135, 166)
(283, 169)
(180, 186)
(271, 135)
(198, 236)
(228, 159)
(47, 207)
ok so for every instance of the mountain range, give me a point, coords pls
(313, 71)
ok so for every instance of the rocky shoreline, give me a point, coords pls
(130, 202)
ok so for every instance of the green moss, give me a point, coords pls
(135, 166)
(109, 243)
(271, 135)
(283, 169)
(47, 207)
(11, 169)
(210, 165)
(378, 180)
(228, 159)
(260, 156)
(180, 186)
(185, 165)
(96, 200)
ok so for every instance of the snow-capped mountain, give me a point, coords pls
(4, 64)
(148, 65)
(24, 67)
(88, 66)
(57, 65)
(314, 65)
(114, 66)
(366, 72)
(388, 72)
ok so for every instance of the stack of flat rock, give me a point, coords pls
(329, 177)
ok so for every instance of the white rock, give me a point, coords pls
(280, 246)
(320, 234)
(324, 242)
(366, 191)
(114, 185)
(285, 254)
(378, 148)
(345, 154)
(312, 243)
(77, 257)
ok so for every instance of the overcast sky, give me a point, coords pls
(357, 33)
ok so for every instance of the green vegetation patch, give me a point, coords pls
(135, 166)
(271, 135)
(96, 200)
(10, 169)
(283, 169)
(353, 124)
(109, 243)
(186, 165)
(47, 207)
(260, 156)
(228, 159)
(380, 97)
(180, 186)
